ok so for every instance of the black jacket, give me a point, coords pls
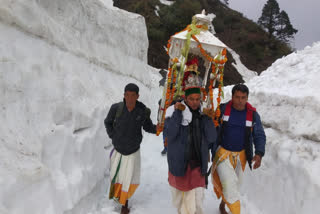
(125, 132)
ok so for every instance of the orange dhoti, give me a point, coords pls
(227, 172)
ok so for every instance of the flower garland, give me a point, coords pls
(204, 94)
(193, 29)
(213, 71)
(217, 62)
(188, 28)
(170, 91)
(220, 93)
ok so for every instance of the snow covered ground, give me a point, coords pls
(62, 64)
(153, 195)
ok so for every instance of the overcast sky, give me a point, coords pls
(304, 16)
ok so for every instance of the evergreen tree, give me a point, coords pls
(277, 24)
(285, 29)
(269, 17)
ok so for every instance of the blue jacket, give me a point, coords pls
(255, 137)
(177, 138)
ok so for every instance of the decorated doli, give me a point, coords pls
(196, 57)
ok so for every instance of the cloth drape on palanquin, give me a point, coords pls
(194, 49)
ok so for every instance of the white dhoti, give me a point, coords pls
(189, 202)
(231, 179)
(227, 173)
(124, 175)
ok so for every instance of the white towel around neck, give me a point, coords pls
(186, 114)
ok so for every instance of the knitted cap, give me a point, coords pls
(189, 91)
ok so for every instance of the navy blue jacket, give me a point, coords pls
(255, 137)
(177, 138)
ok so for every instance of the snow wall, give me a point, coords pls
(287, 98)
(62, 64)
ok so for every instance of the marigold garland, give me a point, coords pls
(167, 103)
(188, 28)
(170, 91)
(218, 112)
(204, 94)
(217, 62)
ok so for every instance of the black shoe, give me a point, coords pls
(164, 151)
(125, 210)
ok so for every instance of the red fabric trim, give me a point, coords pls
(228, 108)
(249, 107)
(250, 111)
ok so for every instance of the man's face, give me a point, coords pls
(193, 101)
(131, 98)
(239, 100)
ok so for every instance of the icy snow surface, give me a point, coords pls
(63, 63)
(242, 70)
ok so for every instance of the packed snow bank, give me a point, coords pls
(287, 97)
(288, 181)
(288, 93)
(62, 64)
(91, 29)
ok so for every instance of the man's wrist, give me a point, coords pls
(259, 153)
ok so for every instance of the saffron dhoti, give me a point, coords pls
(227, 172)
(124, 175)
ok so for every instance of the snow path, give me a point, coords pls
(153, 194)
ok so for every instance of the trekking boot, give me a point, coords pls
(222, 208)
(164, 151)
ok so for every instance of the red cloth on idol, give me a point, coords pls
(191, 180)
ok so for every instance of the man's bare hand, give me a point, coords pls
(257, 161)
(159, 129)
(166, 142)
(209, 112)
(179, 106)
